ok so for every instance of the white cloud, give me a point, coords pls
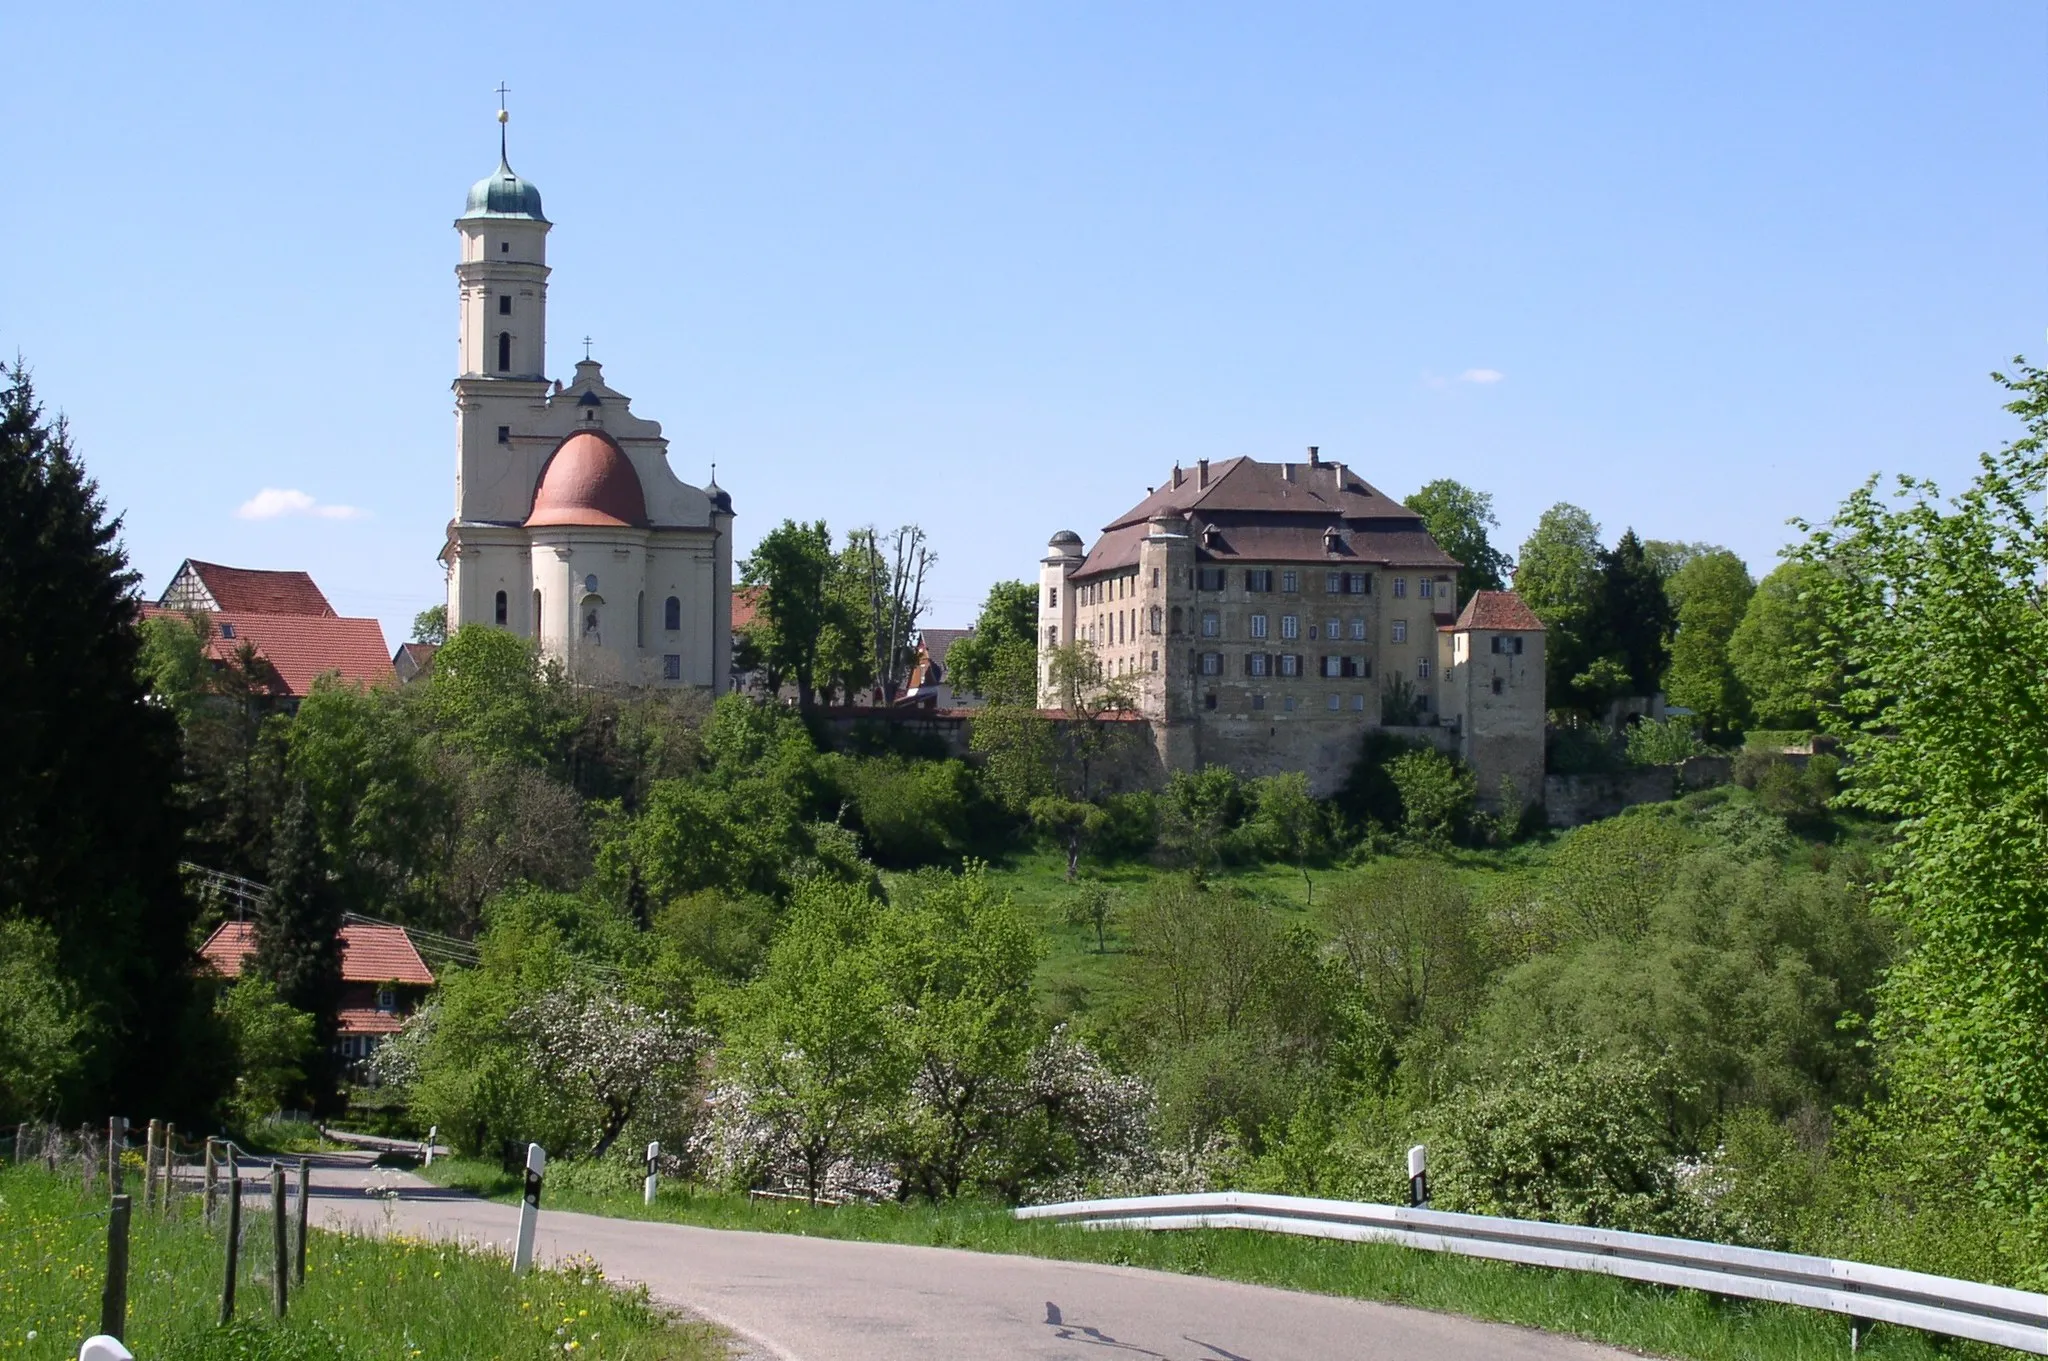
(1481, 376)
(273, 502)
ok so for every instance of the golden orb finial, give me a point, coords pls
(504, 117)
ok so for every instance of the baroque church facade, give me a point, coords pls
(570, 527)
(1265, 616)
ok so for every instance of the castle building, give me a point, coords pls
(1265, 616)
(570, 528)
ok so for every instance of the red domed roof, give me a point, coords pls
(588, 481)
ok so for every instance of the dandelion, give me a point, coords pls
(571, 1345)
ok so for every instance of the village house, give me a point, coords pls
(284, 617)
(1265, 616)
(383, 979)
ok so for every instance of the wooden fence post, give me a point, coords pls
(170, 1157)
(212, 1181)
(114, 1293)
(227, 1289)
(280, 1250)
(156, 1132)
(117, 1136)
(305, 1187)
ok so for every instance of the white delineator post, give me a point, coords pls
(529, 1208)
(653, 1178)
(433, 1133)
(101, 1347)
(1418, 1176)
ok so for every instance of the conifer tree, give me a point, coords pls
(298, 932)
(89, 823)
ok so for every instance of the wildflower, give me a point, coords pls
(570, 1345)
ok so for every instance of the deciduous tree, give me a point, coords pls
(1710, 592)
(1458, 518)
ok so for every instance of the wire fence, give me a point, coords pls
(226, 1228)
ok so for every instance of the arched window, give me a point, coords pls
(593, 620)
(640, 621)
(672, 614)
(504, 352)
(501, 609)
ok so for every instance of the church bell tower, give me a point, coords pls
(502, 279)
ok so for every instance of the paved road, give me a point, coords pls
(813, 1299)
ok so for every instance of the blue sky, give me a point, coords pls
(994, 268)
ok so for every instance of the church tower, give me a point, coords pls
(570, 527)
(502, 348)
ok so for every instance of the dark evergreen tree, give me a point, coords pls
(1633, 620)
(298, 933)
(89, 822)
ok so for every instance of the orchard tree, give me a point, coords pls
(623, 1062)
(90, 822)
(1458, 518)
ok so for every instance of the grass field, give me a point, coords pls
(1674, 1323)
(392, 1299)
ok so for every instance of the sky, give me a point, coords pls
(994, 268)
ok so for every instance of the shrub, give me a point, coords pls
(1564, 1137)
(1653, 743)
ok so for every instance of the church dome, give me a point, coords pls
(504, 194)
(588, 481)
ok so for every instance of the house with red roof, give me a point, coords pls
(284, 617)
(383, 978)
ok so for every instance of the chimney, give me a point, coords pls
(1202, 473)
(1287, 472)
(1176, 477)
(1315, 456)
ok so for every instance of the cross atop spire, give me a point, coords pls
(504, 117)
(586, 347)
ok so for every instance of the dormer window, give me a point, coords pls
(387, 999)
(227, 630)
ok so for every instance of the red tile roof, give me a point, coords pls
(1501, 611)
(249, 590)
(1274, 512)
(369, 1021)
(746, 603)
(302, 647)
(369, 954)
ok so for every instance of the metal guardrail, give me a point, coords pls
(1866, 1294)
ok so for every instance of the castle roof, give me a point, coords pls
(588, 481)
(1500, 611)
(1243, 510)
